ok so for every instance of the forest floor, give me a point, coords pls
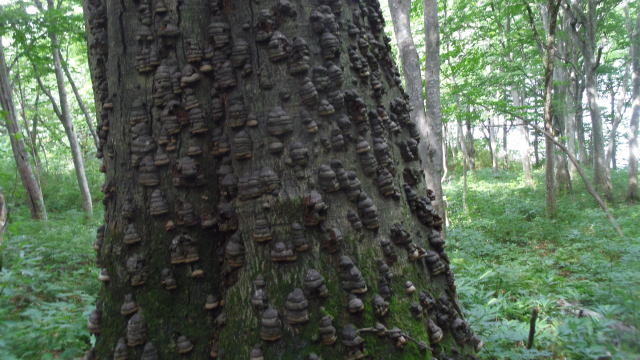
(507, 256)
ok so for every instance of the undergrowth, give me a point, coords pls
(507, 256)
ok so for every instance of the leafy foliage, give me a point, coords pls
(509, 258)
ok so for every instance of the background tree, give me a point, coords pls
(632, 191)
(21, 156)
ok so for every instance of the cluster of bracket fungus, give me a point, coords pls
(256, 145)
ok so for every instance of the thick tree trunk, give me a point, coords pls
(31, 186)
(261, 144)
(634, 148)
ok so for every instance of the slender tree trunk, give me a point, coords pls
(560, 85)
(30, 129)
(552, 11)
(505, 139)
(525, 156)
(433, 161)
(493, 144)
(570, 119)
(87, 115)
(445, 155)
(470, 145)
(536, 148)
(67, 122)
(34, 193)
(586, 37)
(429, 121)
(465, 165)
(583, 152)
(634, 148)
(256, 156)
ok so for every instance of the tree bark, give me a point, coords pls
(432, 164)
(465, 165)
(587, 43)
(493, 143)
(583, 153)
(634, 149)
(525, 156)
(34, 193)
(552, 11)
(433, 160)
(505, 139)
(470, 145)
(64, 114)
(209, 175)
(561, 79)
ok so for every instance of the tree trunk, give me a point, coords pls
(214, 158)
(67, 124)
(3, 219)
(583, 152)
(433, 160)
(561, 79)
(586, 38)
(525, 156)
(493, 144)
(470, 145)
(87, 116)
(34, 193)
(465, 165)
(64, 115)
(570, 119)
(549, 59)
(634, 149)
(505, 139)
(432, 165)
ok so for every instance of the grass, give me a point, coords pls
(507, 257)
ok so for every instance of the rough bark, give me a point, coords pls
(210, 173)
(34, 193)
(634, 149)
